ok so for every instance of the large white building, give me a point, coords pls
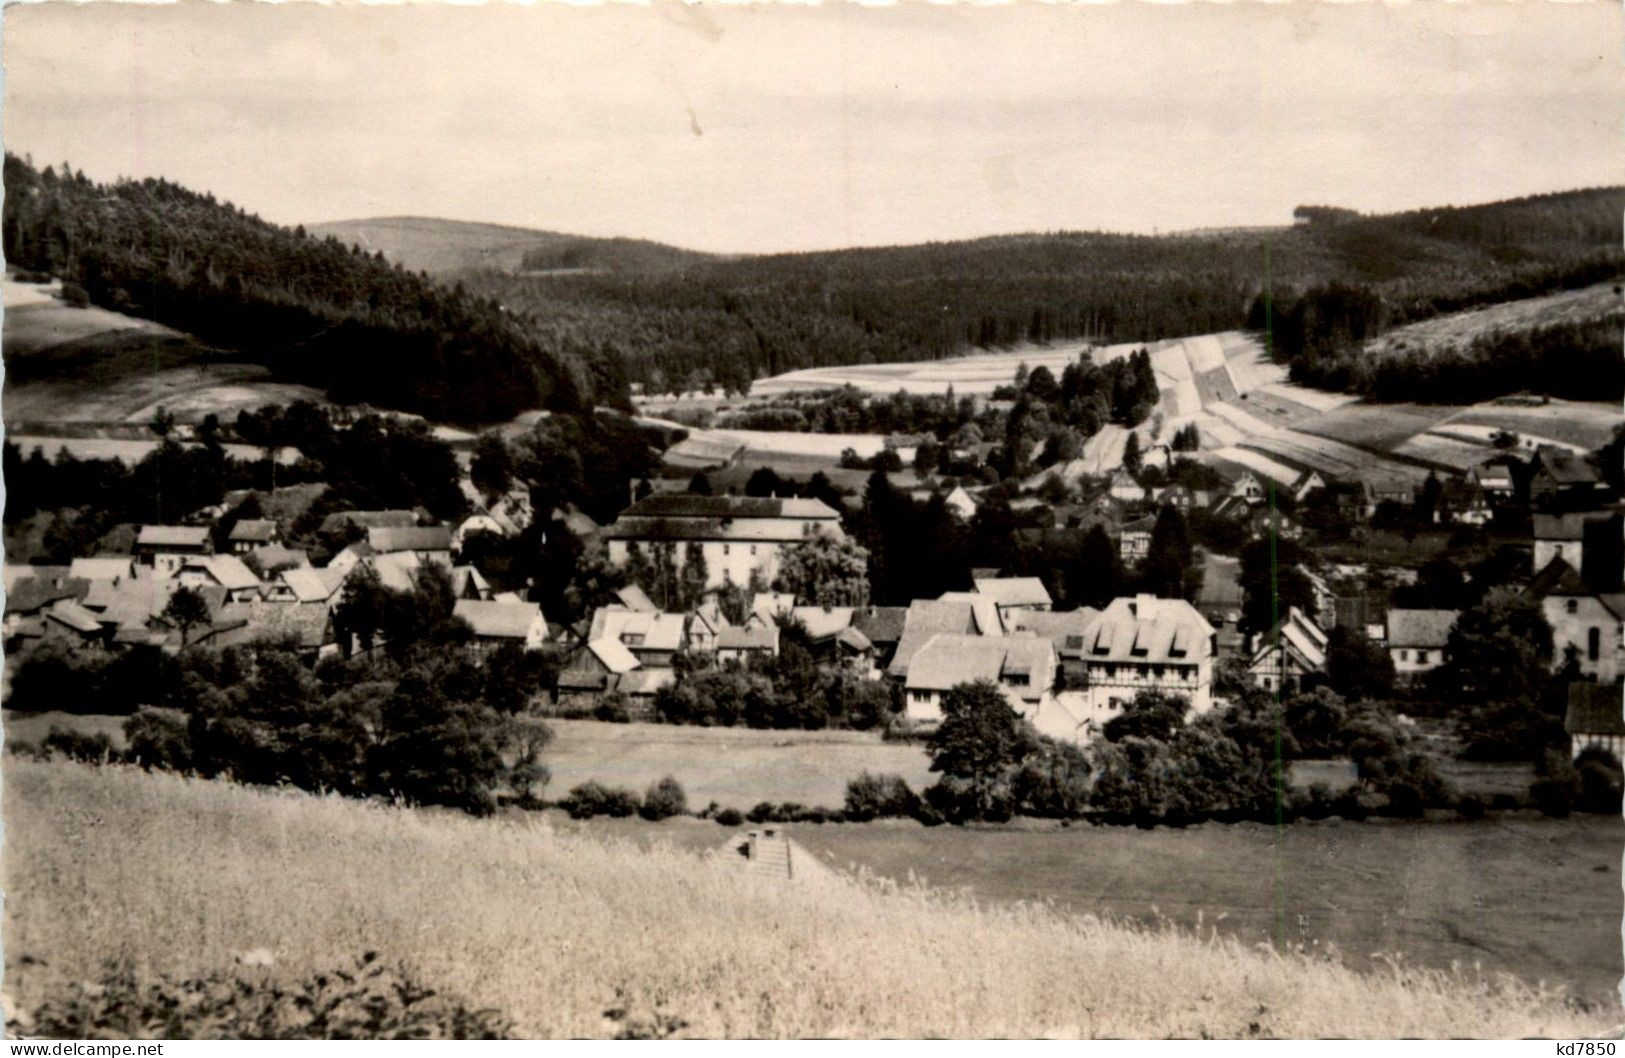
(737, 535)
(1147, 644)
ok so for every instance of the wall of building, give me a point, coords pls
(1574, 629)
(1109, 690)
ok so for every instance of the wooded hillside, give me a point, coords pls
(314, 310)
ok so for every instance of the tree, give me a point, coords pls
(825, 570)
(1499, 650)
(1096, 577)
(492, 468)
(1132, 461)
(1149, 714)
(1356, 668)
(186, 610)
(765, 482)
(976, 748)
(1272, 580)
(1169, 571)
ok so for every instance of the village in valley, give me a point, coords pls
(419, 627)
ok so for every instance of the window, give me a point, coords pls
(1422, 657)
(1593, 643)
(726, 549)
(1402, 655)
(1573, 606)
(753, 550)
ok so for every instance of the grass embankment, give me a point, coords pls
(178, 875)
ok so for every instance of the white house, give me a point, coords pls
(742, 643)
(1148, 644)
(164, 547)
(1124, 488)
(1022, 666)
(652, 637)
(498, 623)
(1289, 654)
(228, 571)
(961, 613)
(736, 535)
(1248, 488)
(1588, 626)
(1595, 719)
(961, 503)
(250, 533)
(1416, 639)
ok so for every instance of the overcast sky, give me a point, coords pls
(779, 128)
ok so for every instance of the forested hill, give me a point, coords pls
(442, 247)
(733, 320)
(314, 309)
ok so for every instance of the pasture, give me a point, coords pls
(733, 766)
(554, 928)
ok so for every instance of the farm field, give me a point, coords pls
(978, 373)
(734, 766)
(1523, 894)
(1460, 328)
(130, 451)
(89, 365)
(224, 869)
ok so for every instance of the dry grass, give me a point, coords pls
(180, 874)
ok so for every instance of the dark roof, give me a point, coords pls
(1420, 628)
(881, 624)
(33, 593)
(688, 505)
(253, 530)
(1566, 467)
(410, 538)
(1558, 578)
(1594, 709)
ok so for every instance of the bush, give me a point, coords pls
(595, 799)
(663, 800)
(764, 812)
(730, 817)
(76, 745)
(1470, 807)
(1406, 799)
(158, 740)
(1505, 802)
(612, 708)
(74, 295)
(1554, 795)
(1600, 784)
(879, 797)
(367, 1001)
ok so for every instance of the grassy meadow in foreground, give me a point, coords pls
(179, 875)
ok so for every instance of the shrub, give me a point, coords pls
(1505, 802)
(158, 740)
(1599, 784)
(612, 708)
(1554, 794)
(74, 295)
(879, 797)
(76, 745)
(1406, 799)
(764, 812)
(664, 799)
(730, 817)
(595, 799)
(1470, 807)
(367, 1001)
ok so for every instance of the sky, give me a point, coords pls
(760, 128)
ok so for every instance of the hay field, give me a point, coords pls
(1459, 329)
(734, 766)
(178, 875)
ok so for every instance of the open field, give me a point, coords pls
(978, 373)
(1459, 329)
(89, 365)
(734, 766)
(33, 727)
(549, 927)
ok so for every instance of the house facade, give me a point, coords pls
(1145, 643)
(1416, 640)
(737, 535)
(1290, 655)
(1022, 666)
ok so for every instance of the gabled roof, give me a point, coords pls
(228, 571)
(396, 571)
(1144, 629)
(853, 639)
(947, 660)
(659, 631)
(752, 637)
(613, 654)
(368, 520)
(270, 556)
(253, 530)
(958, 613)
(1594, 709)
(881, 624)
(635, 598)
(1565, 467)
(772, 604)
(187, 536)
(1014, 591)
(410, 538)
(34, 593)
(76, 617)
(1557, 578)
(499, 620)
(1420, 628)
(102, 567)
(306, 626)
(1298, 636)
(312, 585)
(1066, 630)
(689, 505)
(823, 622)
